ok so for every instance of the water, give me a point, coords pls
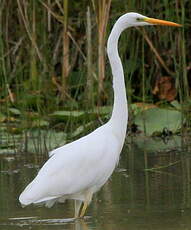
(150, 189)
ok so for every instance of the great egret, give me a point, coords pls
(79, 169)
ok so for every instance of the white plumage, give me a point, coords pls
(79, 169)
(70, 175)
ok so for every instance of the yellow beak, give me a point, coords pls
(161, 22)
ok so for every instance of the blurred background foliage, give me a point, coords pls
(54, 69)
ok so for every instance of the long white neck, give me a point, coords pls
(119, 117)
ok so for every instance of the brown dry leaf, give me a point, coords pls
(165, 89)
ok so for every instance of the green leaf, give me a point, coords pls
(2, 117)
(101, 111)
(80, 115)
(156, 119)
(176, 104)
(40, 123)
(65, 115)
(15, 111)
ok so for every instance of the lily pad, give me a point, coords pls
(80, 115)
(65, 115)
(156, 119)
(176, 104)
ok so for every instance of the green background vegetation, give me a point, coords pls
(54, 71)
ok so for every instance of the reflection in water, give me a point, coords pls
(81, 225)
(150, 189)
(69, 223)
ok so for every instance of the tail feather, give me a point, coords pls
(25, 199)
(35, 194)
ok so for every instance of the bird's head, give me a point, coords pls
(135, 19)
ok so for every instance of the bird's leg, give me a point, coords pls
(86, 203)
(77, 207)
(84, 209)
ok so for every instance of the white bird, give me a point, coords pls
(79, 169)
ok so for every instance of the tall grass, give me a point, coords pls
(90, 82)
(53, 53)
(65, 46)
(101, 9)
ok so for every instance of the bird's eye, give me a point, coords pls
(139, 19)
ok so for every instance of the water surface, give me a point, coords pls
(150, 189)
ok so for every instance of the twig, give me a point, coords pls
(162, 167)
(155, 51)
(28, 31)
